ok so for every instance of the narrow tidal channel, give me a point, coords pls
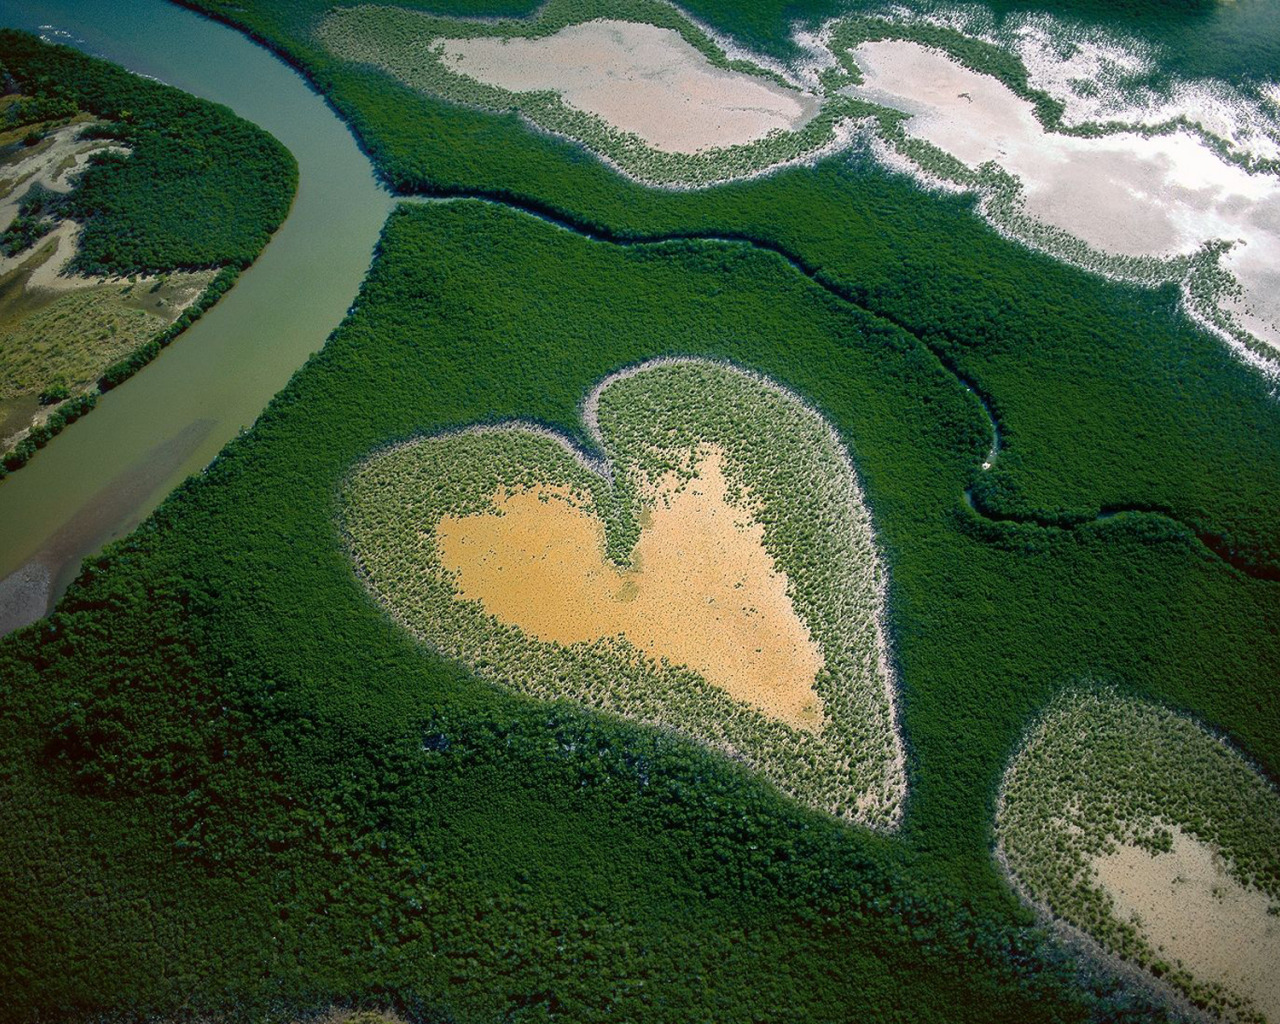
(104, 474)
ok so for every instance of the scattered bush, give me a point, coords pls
(54, 394)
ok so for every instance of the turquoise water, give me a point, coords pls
(102, 476)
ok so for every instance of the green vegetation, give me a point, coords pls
(186, 185)
(70, 339)
(1100, 769)
(398, 42)
(1106, 395)
(652, 422)
(199, 188)
(230, 783)
(292, 803)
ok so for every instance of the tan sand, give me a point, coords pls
(1193, 911)
(45, 264)
(639, 78)
(55, 164)
(703, 591)
(1120, 193)
(46, 273)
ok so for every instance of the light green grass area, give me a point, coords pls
(70, 339)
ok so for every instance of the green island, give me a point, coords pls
(287, 752)
(131, 209)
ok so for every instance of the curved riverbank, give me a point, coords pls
(96, 483)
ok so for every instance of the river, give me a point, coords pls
(105, 473)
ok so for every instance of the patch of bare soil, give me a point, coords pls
(639, 78)
(702, 591)
(1192, 910)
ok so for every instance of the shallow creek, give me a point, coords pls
(102, 476)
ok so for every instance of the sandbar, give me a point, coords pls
(639, 78)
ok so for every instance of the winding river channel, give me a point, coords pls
(103, 475)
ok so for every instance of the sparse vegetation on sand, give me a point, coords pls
(1100, 773)
(785, 468)
(58, 344)
(428, 53)
(1111, 201)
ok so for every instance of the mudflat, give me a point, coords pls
(639, 78)
(1123, 193)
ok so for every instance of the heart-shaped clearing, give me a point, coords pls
(716, 575)
(701, 591)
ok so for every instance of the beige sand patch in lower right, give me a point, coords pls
(1190, 909)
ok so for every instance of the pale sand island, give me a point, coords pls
(1162, 197)
(1158, 196)
(639, 78)
(703, 592)
(1193, 911)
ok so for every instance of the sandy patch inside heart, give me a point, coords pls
(711, 572)
(1190, 908)
(702, 590)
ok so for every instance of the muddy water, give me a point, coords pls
(102, 476)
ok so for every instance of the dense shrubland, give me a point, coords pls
(292, 803)
(653, 421)
(200, 187)
(1107, 395)
(229, 781)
